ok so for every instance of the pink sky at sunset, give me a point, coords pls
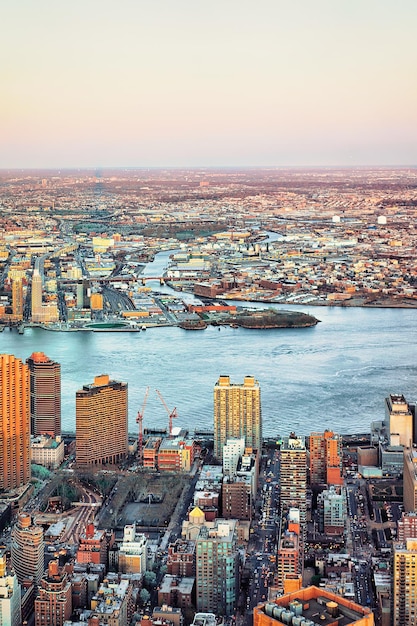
(182, 83)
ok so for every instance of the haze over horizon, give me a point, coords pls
(225, 84)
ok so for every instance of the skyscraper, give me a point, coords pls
(293, 474)
(325, 458)
(15, 423)
(237, 413)
(217, 568)
(45, 395)
(404, 586)
(101, 422)
(36, 308)
(42, 313)
(399, 419)
(53, 604)
(27, 550)
(17, 299)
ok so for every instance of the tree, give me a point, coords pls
(144, 596)
(149, 579)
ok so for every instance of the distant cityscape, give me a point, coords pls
(169, 527)
(74, 244)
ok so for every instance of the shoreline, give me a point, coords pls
(232, 322)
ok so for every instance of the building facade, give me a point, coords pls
(399, 419)
(101, 422)
(27, 550)
(410, 480)
(237, 498)
(53, 604)
(331, 505)
(45, 395)
(15, 423)
(133, 551)
(404, 596)
(217, 567)
(93, 546)
(325, 458)
(237, 413)
(293, 483)
(47, 451)
(181, 558)
(10, 613)
(17, 299)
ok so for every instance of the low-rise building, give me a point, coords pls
(47, 451)
(176, 591)
(312, 605)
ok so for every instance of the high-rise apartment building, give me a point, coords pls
(53, 604)
(325, 458)
(101, 422)
(399, 419)
(410, 480)
(237, 500)
(288, 561)
(27, 550)
(293, 483)
(45, 395)
(404, 584)
(407, 526)
(237, 413)
(331, 505)
(290, 554)
(217, 567)
(10, 613)
(15, 423)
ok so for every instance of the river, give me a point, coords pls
(334, 375)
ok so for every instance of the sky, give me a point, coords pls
(159, 83)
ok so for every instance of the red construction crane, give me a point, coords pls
(171, 414)
(139, 420)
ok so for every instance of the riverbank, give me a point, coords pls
(366, 301)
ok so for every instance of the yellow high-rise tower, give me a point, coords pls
(237, 413)
(101, 422)
(15, 423)
(404, 586)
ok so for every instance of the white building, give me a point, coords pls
(47, 451)
(233, 449)
(9, 595)
(133, 551)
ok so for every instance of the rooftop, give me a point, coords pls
(319, 606)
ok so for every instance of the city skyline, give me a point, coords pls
(235, 84)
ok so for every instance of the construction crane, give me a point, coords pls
(139, 420)
(171, 414)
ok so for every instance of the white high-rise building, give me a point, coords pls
(232, 451)
(10, 614)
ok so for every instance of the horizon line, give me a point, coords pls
(205, 167)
